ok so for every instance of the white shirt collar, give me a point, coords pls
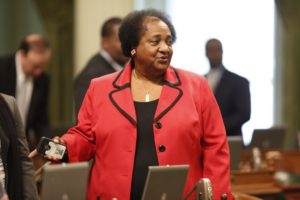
(214, 76)
(218, 69)
(20, 73)
(110, 60)
(24, 89)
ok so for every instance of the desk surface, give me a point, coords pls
(258, 183)
(243, 196)
(262, 183)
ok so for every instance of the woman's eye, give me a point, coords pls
(154, 42)
(169, 42)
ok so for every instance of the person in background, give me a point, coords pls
(16, 169)
(108, 60)
(231, 90)
(22, 76)
(148, 114)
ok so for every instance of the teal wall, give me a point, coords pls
(17, 19)
(53, 19)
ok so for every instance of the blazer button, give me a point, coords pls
(224, 196)
(158, 125)
(162, 148)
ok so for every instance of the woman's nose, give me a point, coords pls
(164, 47)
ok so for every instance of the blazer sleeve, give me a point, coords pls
(30, 190)
(80, 139)
(81, 85)
(216, 164)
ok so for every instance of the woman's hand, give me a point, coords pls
(56, 140)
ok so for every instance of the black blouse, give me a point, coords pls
(145, 153)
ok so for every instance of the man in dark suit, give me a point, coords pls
(231, 90)
(22, 76)
(108, 60)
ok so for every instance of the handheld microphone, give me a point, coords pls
(204, 189)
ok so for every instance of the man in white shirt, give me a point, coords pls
(108, 60)
(22, 76)
(231, 90)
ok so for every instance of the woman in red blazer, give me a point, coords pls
(148, 114)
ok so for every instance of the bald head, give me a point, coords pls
(34, 42)
(34, 54)
(214, 52)
(34, 37)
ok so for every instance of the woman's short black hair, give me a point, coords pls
(130, 31)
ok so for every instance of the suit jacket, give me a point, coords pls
(37, 118)
(96, 67)
(29, 186)
(233, 96)
(188, 129)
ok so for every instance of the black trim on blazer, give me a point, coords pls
(177, 76)
(118, 107)
(172, 104)
(119, 88)
(172, 85)
(117, 78)
(126, 85)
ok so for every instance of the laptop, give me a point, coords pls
(236, 147)
(272, 138)
(67, 181)
(165, 182)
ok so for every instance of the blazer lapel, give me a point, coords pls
(121, 97)
(220, 86)
(32, 104)
(170, 94)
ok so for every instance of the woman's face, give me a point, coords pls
(154, 51)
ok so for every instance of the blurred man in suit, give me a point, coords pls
(231, 90)
(22, 76)
(108, 60)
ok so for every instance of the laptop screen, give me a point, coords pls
(236, 148)
(65, 181)
(165, 182)
(268, 138)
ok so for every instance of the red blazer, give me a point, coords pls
(188, 129)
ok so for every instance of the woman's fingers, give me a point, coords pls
(33, 154)
(58, 140)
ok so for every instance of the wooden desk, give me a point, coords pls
(257, 183)
(262, 183)
(243, 196)
(292, 192)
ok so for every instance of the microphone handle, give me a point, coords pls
(190, 193)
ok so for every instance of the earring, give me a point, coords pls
(132, 52)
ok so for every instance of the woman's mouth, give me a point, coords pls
(163, 59)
